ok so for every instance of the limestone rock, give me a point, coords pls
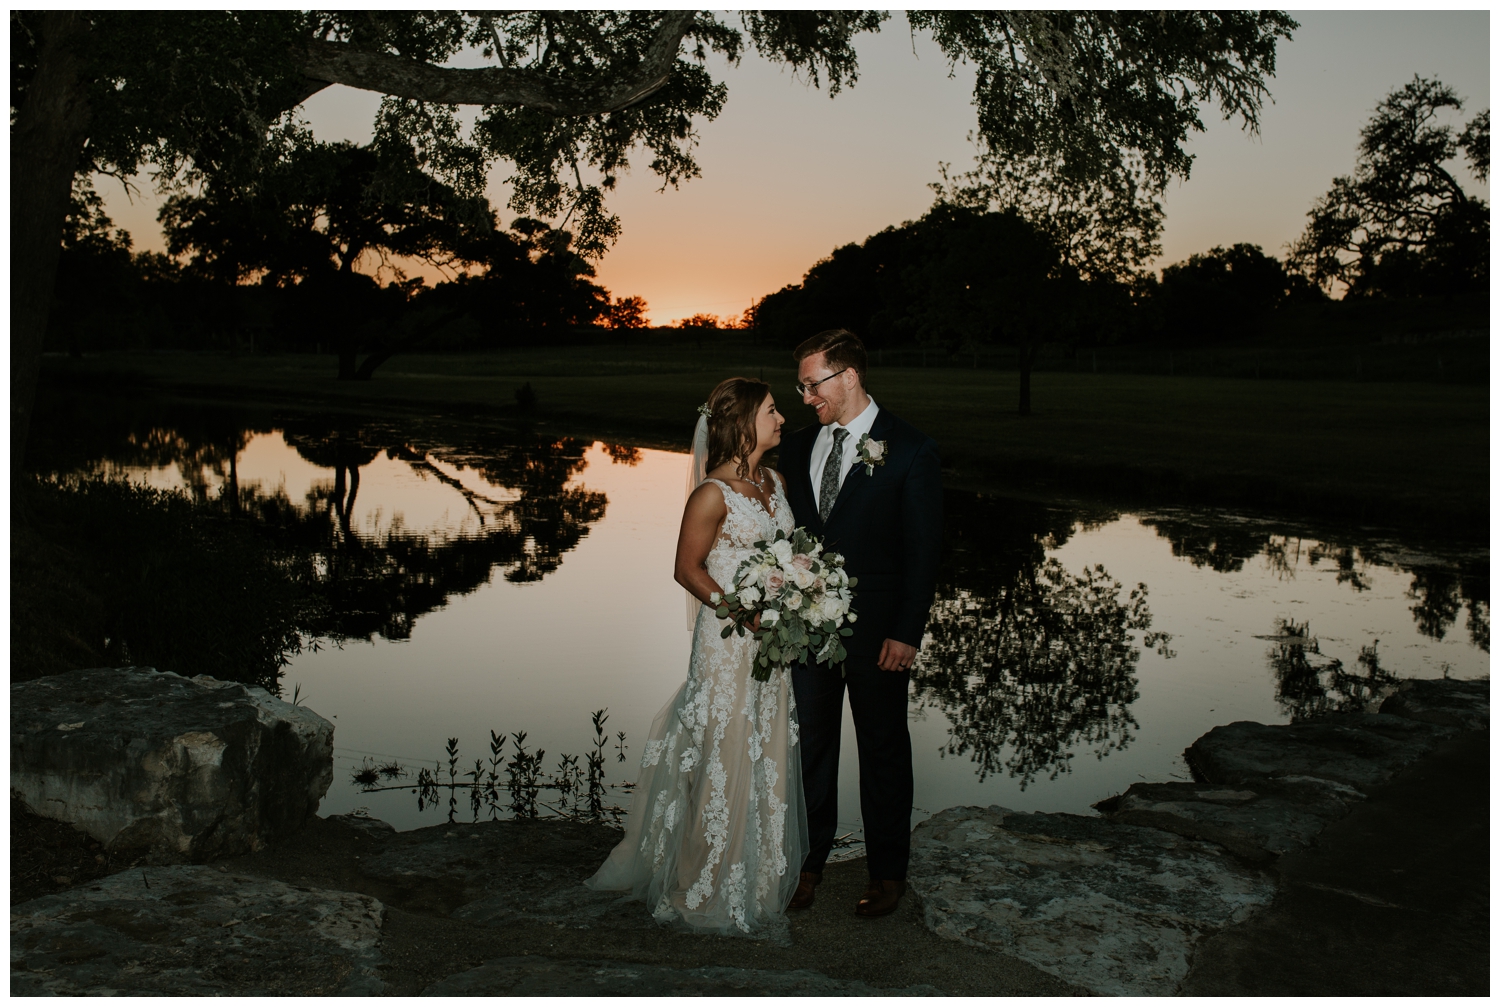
(1254, 821)
(1359, 750)
(364, 823)
(195, 931)
(537, 976)
(498, 873)
(191, 769)
(1111, 907)
(1451, 703)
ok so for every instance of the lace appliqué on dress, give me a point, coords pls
(717, 830)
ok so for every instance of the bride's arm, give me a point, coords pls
(701, 518)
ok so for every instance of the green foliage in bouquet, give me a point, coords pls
(803, 598)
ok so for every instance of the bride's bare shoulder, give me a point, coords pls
(709, 496)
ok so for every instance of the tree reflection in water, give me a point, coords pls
(1028, 661)
(1309, 684)
(379, 582)
(1439, 589)
(373, 581)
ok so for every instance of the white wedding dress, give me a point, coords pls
(717, 830)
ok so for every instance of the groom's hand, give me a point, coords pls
(896, 656)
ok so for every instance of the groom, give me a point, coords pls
(868, 484)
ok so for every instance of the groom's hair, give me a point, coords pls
(840, 347)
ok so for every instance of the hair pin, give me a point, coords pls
(707, 412)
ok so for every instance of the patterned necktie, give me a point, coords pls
(828, 492)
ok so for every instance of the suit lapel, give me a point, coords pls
(854, 483)
(799, 482)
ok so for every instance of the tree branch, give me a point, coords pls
(341, 63)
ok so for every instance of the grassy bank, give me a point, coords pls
(1411, 453)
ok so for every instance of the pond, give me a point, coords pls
(484, 580)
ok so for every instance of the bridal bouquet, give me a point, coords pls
(803, 597)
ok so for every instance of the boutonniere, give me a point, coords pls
(871, 453)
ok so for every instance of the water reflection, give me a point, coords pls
(1029, 662)
(378, 577)
(381, 581)
(1310, 684)
(1440, 588)
(1044, 639)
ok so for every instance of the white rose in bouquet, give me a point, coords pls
(803, 598)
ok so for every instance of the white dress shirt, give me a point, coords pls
(823, 444)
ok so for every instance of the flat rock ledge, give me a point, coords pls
(1450, 703)
(1256, 821)
(1117, 904)
(1114, 908)
(547, 977)
(505, 872)
(1353, 750)
(195, 931)
(189, 769)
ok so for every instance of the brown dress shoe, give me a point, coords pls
(803, 896)
(880, 898)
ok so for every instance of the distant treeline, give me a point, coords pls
(1006, 257)
(894, 289)
(906, 287)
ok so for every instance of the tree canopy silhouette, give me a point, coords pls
(311, 218)
(1224, 293)
(198, 93)
(987, 278)
(1402, 225)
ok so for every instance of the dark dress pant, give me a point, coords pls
(878, 701)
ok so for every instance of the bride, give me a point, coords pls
(718, 830)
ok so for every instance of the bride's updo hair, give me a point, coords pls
(731, 425)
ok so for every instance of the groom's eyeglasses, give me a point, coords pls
(812, 386)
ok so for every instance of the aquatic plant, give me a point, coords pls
(515, 785)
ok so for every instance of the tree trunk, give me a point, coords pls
(348, 352)
(367, 368)
(1026, 353)
(233, 489)
(343, 301)
(47, 140)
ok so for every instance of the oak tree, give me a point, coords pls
(1402, 224)
(565, 97)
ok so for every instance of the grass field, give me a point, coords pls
(1411, 453)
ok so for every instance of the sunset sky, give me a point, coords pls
(789, 174)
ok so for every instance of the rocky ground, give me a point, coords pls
(498, 908)
(1392, 900)
(48, 856)
(1345, 856)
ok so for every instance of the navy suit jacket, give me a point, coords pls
(888, 526)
